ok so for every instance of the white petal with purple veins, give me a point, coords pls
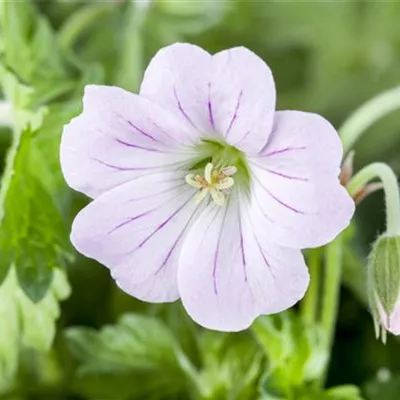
(228, 276)
(136, 230)
(242, 94)
(119, 137)
(230, 95)
(295, 186)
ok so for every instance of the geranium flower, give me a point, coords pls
(202, 191)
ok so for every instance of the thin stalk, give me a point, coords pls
(388, 178)
(330, 300)
(309, 306)
(367, 115)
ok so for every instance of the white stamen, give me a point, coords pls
(215, 182)
(229, 171)
(217, 196)
(192, 181)
(225, 183)
(208, 173)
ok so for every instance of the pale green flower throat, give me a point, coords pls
(218, 168)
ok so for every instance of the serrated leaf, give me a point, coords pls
(231, 366)
(296, 352)
(136, 349)
(31, 51)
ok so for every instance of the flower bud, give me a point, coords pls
(384, 284)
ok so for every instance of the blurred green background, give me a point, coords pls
(327, 57)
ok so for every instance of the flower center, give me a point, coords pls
(216, 182)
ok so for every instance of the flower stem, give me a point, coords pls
(367, 115)
(309, 306)
(330, 301)
(390, 186)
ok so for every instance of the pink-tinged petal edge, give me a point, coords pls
(119, 137)
(296, 191)
(228, 276)
(391, 323)
(230, 95)
(137, 230)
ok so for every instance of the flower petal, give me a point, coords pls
(118, 137)
(136, 230)
(230, 95)
(242, 98)
(392, 323)
(227, 276)
(177, 79)
(296, 193)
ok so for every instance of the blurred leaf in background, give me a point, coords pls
(25, 324)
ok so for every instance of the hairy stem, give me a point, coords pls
(388, 178)
(367, 115)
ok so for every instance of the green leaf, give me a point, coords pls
(296, 352)
(25, 324)
(31, 51)
(346, 392)
(231, 366)
(33, 235)
(20, 96)
(136, 349)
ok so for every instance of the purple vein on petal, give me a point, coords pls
(141, 131)
(234, 116)
(263, 257)
(295, 178)
(118, 168)
(284, 150)
(182, 110)
(210, 110)
(214, 273)
(177, 241)
(164, 223)
(242, 247)
(279, 200)
(143, 214)
(139, 147)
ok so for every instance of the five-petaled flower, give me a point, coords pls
(202, 191)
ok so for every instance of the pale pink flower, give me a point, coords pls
(202, 191)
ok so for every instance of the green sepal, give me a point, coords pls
(384, 272)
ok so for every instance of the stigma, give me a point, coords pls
(216, 182)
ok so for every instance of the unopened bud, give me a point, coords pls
(384, 284)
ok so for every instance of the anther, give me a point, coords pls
(216, 182)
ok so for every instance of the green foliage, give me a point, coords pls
(384, 386)
(25, 324)
(32, 236)
(142, 349)
(296, 353)
(115, 360)
(231, 366)
(31, 51)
